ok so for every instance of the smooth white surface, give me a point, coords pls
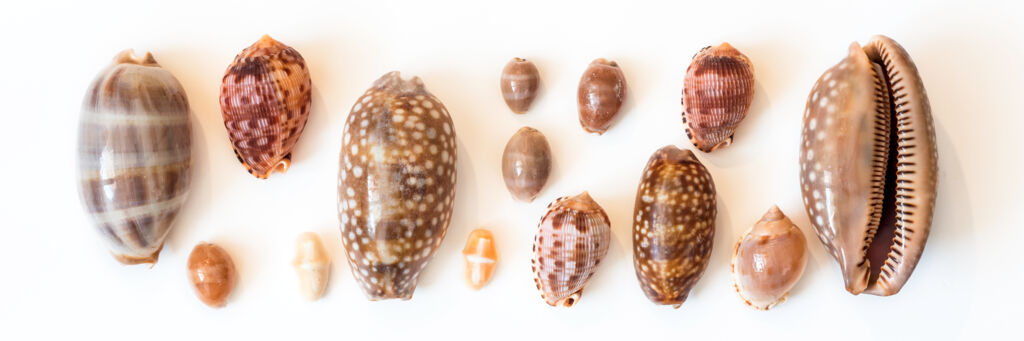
(59, 281)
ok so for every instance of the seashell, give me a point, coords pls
(396, 184)
(134, 156)
(212, 273)
(868, 123)
(481, 258)
(526, 163)
(768, 260)
(264, 98)
(519, 83)
(717, 93)
(571, 241)
(601, 93)
(312, 265)
(674, 225)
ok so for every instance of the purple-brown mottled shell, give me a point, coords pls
(600, 95)
(717, 93)
(571, 241)
(396, 184)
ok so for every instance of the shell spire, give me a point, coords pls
(769, 260)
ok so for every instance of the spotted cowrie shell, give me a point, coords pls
(571, 241)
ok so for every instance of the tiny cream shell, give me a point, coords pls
(481, 257)
(769, 260)
(312, 265)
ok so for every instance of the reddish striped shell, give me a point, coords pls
(717, 93)
(264, 98)
(396, 184)
(673, 226)
(571, 241)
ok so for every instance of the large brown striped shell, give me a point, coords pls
(869, 165)
(717, 93)
(265, 97)
(673, 225)
(396, 184)
(571, 241)
(134, 155)
(600, 95)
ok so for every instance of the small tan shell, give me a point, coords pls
(571, 241)
(601, 92)
(717, 94)
(526, 164)
(519, 82)
(212, 273)
(768, 260)
(481, 257)
(312, 265)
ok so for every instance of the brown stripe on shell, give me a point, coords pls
(572, 239)
(600, 95)
(519, 82)
(717, 93)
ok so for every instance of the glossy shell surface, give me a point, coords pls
(264, 99)
(768, 260)
(673, 225)
(481, 256)
(717, 93)
(212, 273)
(396, 184)
(601, 92)
(312, 265)
(869, 165)
(571, 241)
(526, 164)
(134, 156)
(519, 82)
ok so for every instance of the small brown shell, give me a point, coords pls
(526, 163)
(768, 260)
(312, 265)
(674, 225)
(481, 257)
(264, 98)
(212, 273)
(601, 93)
(717, 93)
(571, 241)
(519, 82)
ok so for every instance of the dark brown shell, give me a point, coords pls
(264, 98)
(673, 226)
(526, 163)
(717, 93)
(601, 92)
(519, 82)
(571, 241)
(396, 184)
(212, 273)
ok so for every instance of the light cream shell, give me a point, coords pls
(312, 265)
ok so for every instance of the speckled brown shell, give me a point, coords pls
(396, 184)
(601, 92)
(869, 165)
(212, 273)
(717, 93)
(134, 156)
(264, 98)
(768, 260)
(526, 163)
(673, 225)
(519, 82)
(571, 241)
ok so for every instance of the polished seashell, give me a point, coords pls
(212, 273)
(601, 93)
(768, 260)
(519, 82)
(481, 257)
(396, 184)
(265, 97)
(312, 265)
(526, 164)
(674, 225)
(134, 156)
(869, 165)
(717, 93)
(571, 241)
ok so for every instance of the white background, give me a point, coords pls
(59, 280)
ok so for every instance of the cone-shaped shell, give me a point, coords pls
(600, 95)
(571, 241)
(481, 256)
(717, 93)
(312, 265)
(768, 260)
(519, 82)
(526, 164)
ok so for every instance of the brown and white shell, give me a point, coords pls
(264, 98)
(396, 184)
(673, 225)
(481, 256)
(519, 82)
(600, 95)
(717, 93)
(526, 164)
(768, 260)
(868, 165)
(571, 241)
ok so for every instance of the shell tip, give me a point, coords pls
(128, 57)
(773, 214)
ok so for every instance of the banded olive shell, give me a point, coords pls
(600, 95)
(526, 164)
(673, 225)
(519, 82)
(717, 93)
(134, 156)
(768, 260)
(396, 184)
(571, 241)
(869, 165)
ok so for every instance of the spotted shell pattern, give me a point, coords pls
(717, 93)
(396, 184)
(265, 98)
(571, 241)
(674, 225)
(134, 156)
